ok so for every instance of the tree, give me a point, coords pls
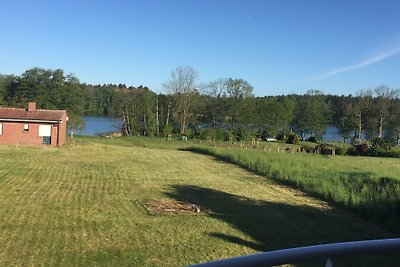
(8, 85)
(342, 117)
(72, 100)
(311, 112)
(148, 100)
(215, 89)
(182, 87)
(394, 118)
(275, 114)
(214, 102)
(359, 107)
(50, 89)
(383, 95)
(237, 90)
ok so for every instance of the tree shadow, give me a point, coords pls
(273, 226)
(380, 202)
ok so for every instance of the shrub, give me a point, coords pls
(203, 133)
(243, 134)
(308, 149)
(362, 148)
(377, 151)
(189, 133)
(167, 129)
(312, 139)
(352, 151)
(219, 134)
(281, 136)
(293, 138)
(229, 136)
(325, 150)
(341, 151)
(265, 134)
(385, 143)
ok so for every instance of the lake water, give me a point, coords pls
(331, 134)
(99, 125)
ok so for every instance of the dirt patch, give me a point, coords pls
(170, 207)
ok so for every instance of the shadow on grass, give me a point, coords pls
(375, 199)
(272, 226)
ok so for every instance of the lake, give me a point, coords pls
(99, 125)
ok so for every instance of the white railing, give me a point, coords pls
(302, 254)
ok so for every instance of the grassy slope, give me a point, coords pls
(369, 186)
(78, 205)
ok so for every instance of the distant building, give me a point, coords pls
(33, 126)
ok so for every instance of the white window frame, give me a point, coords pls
(1, 128)
(26, 127)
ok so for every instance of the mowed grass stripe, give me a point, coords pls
(78, 205)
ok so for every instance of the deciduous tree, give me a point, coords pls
(182, 87)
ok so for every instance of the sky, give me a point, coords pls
(278, 46)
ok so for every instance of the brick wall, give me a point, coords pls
(13, 133)
(62, 135)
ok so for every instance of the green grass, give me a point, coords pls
(369, 186)
(79, 205)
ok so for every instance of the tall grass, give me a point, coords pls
(368, 186)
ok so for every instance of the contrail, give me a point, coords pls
(362, 64)
(366, 62)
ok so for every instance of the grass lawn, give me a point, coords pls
(82, 205)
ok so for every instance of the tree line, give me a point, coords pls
(224, 109)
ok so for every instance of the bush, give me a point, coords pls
(362, 149)
(358, 150)
(243, 134)
(312, 139)
(341, 150)
(265, 134)
(308, 149)
(229, 136)
(281, 136)
(293, 139)
(189, 133)
(376, 150)
(324, 149)
(202, 134)
(168, 129)
(214, 134)
(352, 151)
(385, 143)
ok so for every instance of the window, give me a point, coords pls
(1, 128)
(44, 130)
(26, 127)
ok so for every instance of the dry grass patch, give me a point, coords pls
(172, 207)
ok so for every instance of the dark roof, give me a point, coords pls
(36, 115)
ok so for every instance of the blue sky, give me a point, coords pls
(280, 47)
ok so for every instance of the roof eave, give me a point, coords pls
(31, 120)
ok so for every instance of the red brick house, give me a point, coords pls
(33, 126)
